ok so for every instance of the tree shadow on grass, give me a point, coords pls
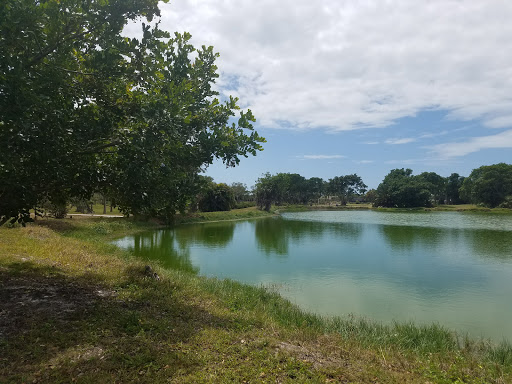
(54, 328)
(56, 225)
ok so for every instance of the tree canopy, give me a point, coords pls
(435, 184)
(84, 109)
(401, 189)
(217, 197)
(489, 185)
(292, 188)
(282, 188)
(346, 186)
(453, 185)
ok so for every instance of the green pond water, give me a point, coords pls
(452, 268)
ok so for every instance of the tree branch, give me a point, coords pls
(98, 148)
(42, 54)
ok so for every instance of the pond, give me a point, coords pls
(452, 268)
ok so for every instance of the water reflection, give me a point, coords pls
(490, 244)
(274, 236)
(160, 246)
(483, 243)
(385, 267)
(402, 238)
(211, 235)
(171, 247)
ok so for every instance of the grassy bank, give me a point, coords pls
(322, 207)
(77, 309)
(367, 206)
(234, 214)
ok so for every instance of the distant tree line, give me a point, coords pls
(292, 188)
(490, 186)
(401, 189)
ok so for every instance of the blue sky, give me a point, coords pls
(364, 86)
(409, 143)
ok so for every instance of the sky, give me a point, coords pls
(361, 86)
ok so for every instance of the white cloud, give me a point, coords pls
(475, 144)
(345, 65)
(322, 157)
(364, 161)
(430, 135)
(404, 140)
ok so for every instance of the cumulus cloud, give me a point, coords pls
(475, 144)
(346, 65)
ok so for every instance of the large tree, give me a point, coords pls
(346, 186)
(217, 197)
(489, 185)
(436, 185)
(240, 192)
(401, 189)
(453, 185)
(83, 108)
(290, 188)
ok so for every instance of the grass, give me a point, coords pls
(234, 214)
(323, 207)
(470, 208)
(77, 309)
(365, 206)
(98, 210)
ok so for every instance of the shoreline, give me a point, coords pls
(251, 332)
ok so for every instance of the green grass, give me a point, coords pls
(77, 309)
(470, 208)
(323, 207)
(234, 214)
(364, 206)
(98, 209)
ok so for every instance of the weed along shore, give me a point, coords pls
(75, 308)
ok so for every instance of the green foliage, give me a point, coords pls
(245, 204)
(267, 191)
(240, 192)
(488, 185)
(507, 202)
(370, 196)
(85, 109)
(346, 186)
(56, 209)
(316, 187)
(435, 184)
(290, 188)
(401, 189)
(453, 185)
(218, 197)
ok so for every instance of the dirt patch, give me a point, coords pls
(311, 355)
(39, 295)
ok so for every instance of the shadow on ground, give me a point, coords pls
(54, 328)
